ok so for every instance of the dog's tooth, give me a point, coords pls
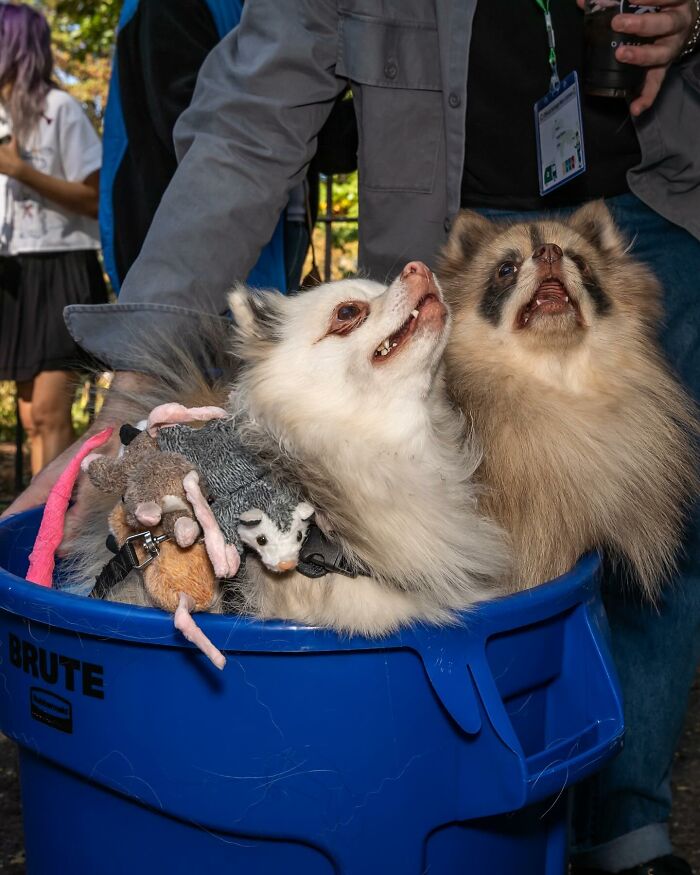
(414, 313)
(385, 352)
(566, 298)
(394, 344)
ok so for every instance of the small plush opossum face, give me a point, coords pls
(277, 549)
(542, 284)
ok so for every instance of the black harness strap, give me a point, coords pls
(125, 561)
(319, 555)
(118, 567)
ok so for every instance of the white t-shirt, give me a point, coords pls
(64, 144)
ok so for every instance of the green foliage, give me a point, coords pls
(7, 412)
(83, 27)
(83, 34)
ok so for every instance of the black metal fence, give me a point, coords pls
(328, 219)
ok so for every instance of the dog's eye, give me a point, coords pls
(298, 536)
(579, 262)
(348, 316)
(262, 540)
(508, 268)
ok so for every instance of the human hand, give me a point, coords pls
(11, 163)
(668, 29)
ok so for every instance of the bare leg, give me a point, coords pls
(49, 421)
(24, 397)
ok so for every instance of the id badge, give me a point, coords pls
(559, 129)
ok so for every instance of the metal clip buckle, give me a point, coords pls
(149, 544)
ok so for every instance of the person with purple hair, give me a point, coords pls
(50, 158)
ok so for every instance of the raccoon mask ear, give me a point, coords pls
(595, 223)
(469, 231)
(256, 314)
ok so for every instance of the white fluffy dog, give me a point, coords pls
(340, 390)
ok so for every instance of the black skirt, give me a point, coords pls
(34, 289)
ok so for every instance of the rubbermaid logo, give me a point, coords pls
(51, 709)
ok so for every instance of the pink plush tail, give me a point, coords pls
(50, 535)
(184, 621)
(224, 557)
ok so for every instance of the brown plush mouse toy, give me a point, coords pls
(181, 580)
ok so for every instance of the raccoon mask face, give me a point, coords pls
(540, 285)
(342, 350)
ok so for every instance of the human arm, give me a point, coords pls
(261, 97)
(669, 28)
(38, 490)
(77, 197)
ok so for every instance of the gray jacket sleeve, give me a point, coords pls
(261, 97)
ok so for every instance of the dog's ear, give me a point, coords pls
(594, 223)
(257, 315)
(470, 230)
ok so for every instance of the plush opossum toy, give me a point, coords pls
(249, 508)
(159, 475)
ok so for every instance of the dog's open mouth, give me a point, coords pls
(427, 306)
(550, 299)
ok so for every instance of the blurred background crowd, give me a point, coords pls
(82, 46)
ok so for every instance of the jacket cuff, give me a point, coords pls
(121, 336)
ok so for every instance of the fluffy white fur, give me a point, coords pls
(376, 448)
(379, 452)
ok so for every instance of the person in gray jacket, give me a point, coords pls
(444, 95)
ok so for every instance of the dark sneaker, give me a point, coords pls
(668, 865)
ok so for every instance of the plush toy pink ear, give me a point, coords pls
(50, 535)
(174, 414)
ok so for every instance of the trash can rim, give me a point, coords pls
(131, 622)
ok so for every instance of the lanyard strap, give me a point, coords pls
(554, 80)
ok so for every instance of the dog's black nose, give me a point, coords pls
(548, 252)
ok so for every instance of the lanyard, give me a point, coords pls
(554, 81)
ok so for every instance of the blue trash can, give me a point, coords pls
(438, 751)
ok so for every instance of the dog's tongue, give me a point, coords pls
(552, 290)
